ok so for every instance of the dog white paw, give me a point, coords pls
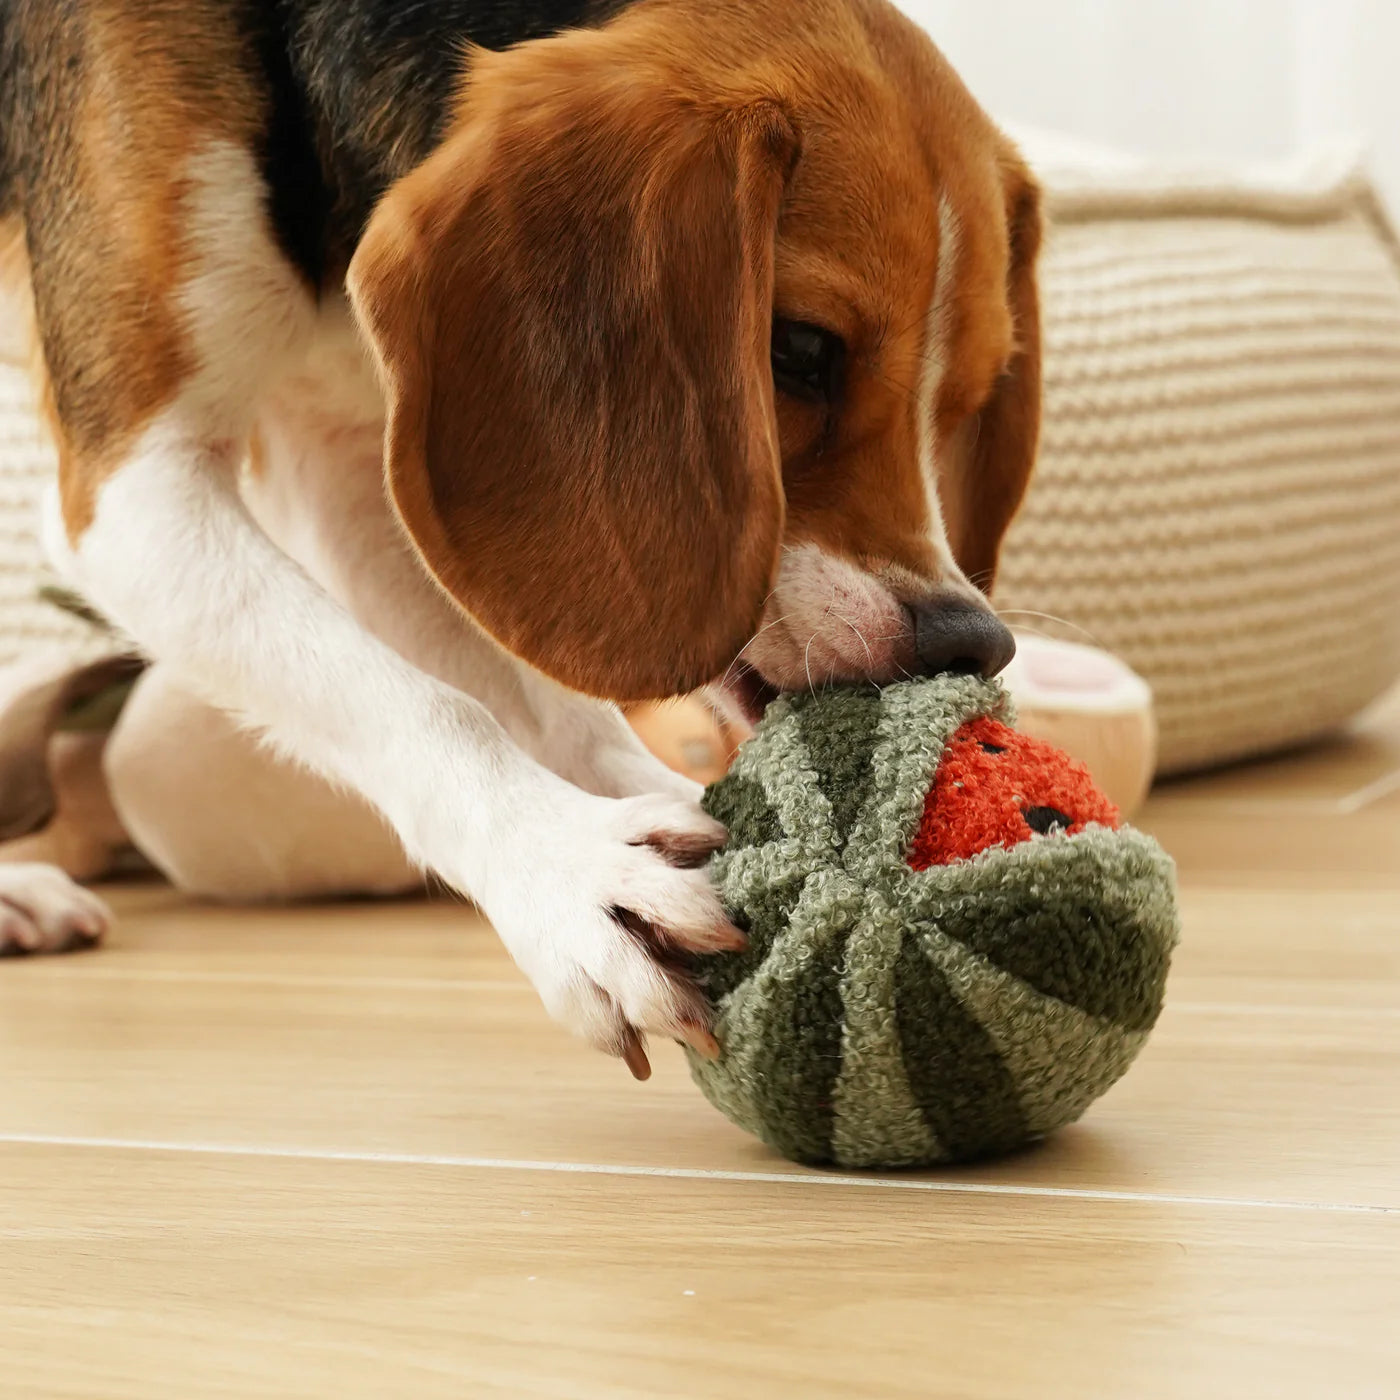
(603, 904)
(43, 911)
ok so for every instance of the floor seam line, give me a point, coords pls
(1194, 1007)
(1356, 802)
(830, 1180)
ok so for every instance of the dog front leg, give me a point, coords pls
(321, 495)
(158, 368)
(588, 893)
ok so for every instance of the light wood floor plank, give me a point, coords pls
(1184, 1241)
(476, 1070)
(150, 1277)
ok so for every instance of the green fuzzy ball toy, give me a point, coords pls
(955, 944)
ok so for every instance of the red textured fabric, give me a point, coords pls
(995, 787)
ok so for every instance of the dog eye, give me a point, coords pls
(807, 360)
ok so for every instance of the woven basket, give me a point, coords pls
(27, 465)
(1218, 495)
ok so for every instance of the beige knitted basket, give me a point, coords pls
(1218, 495)
(27, 466)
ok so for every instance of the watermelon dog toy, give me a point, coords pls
(956, 946)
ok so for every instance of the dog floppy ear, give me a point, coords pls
(571, 304)
(1008, 432)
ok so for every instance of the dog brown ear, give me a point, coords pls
(1008, 436)
(571, 303)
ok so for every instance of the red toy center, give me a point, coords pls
(995, 787)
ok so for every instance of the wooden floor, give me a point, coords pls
(340, 1152)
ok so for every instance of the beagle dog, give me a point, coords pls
(430, 377)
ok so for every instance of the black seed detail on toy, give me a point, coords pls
(942, 1046)
(992, 748)
(1046, 820)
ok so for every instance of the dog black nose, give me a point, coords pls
(956, 635)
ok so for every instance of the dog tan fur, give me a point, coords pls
(699, 342)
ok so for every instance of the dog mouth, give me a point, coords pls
(749, 691)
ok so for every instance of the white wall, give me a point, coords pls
(1232, 79)
(1349, 51)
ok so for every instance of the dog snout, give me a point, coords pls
(955, 635)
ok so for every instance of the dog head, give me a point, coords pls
(711, 346)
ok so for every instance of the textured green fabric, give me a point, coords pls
(93, 714)
(887, 1017)
(98, 714)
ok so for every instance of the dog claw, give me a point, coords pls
(634, 1056)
